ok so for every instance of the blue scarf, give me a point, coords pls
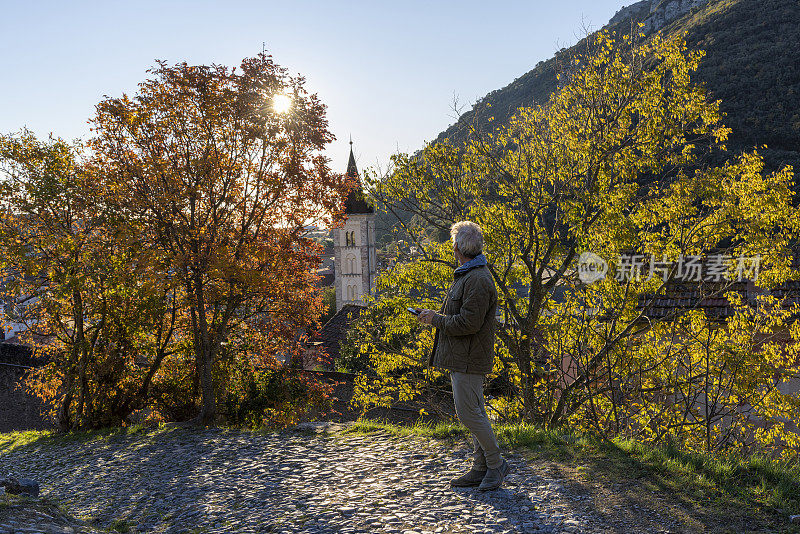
(477, 261)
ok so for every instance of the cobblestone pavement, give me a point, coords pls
(215, 480)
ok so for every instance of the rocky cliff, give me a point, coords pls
(655, 14)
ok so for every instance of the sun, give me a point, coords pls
(281, 103)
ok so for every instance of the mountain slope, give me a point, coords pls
(750, 64)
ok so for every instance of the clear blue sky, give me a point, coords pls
(386, 70)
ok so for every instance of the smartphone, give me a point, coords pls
(413, 310)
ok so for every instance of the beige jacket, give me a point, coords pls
(465, 325)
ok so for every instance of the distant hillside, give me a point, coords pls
(750, 64)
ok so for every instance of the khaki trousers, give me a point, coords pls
(471, 410)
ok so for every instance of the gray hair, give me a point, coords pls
(468, 237)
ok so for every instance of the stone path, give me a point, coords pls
(189, 480)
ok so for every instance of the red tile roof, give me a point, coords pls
(709, 296)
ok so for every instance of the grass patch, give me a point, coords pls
(751, 480)
(443, 431)
(120, 525)
(13, 440)
(16, 439)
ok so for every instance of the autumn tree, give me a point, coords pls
(613, 162)
(72, 272)
(221, 181)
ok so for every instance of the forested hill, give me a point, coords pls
(750, 64)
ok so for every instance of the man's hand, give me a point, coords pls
(426, 316)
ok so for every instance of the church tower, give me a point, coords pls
(354, 246)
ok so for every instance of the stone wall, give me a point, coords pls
(18, 410)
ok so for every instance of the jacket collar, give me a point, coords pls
(477, 261)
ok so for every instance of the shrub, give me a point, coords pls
(275, 397)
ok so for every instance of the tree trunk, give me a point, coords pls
(64, 419)
(209, 412)
(83, 353)
(204, 351)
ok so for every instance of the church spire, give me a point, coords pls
(352, 171)
(355, 202)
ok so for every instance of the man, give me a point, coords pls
(464, 345)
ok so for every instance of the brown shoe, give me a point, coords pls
(494, 477)
(472, 478)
